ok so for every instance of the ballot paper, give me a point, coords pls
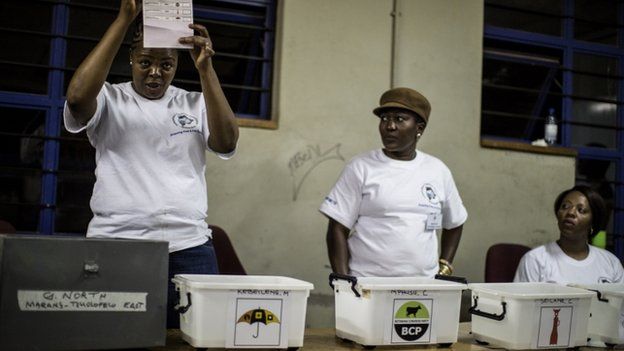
(166, 21)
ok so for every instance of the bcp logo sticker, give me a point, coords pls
(412, 321)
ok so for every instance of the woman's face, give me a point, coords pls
(574, 217)
(399, 131)
(153, 70)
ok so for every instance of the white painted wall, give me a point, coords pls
(334, 60)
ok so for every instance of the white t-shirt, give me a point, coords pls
(385, 203)
(150, 166)
(548, 263)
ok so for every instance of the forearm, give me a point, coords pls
(337, 247)
(450, 241)
(221, 121)
(90, 76)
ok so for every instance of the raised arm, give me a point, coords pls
(221, 121)
(92, 72)
(337, 247)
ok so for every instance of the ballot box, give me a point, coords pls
(242, 311)
(529, 316)
(69, 293)
(397, 311)
(606, 315)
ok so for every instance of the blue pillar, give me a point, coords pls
(53, 120)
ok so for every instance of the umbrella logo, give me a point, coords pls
(258, 315)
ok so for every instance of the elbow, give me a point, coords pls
(81, 109)
(73, 95)
(233, 141)
(77, 95)
(224, 145)
(74, 100)
(73, 107)
(229, 145)
(223, 148)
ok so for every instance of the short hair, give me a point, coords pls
(596, 203)
(137, 32)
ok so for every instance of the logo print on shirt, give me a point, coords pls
(184, 121)
(604, 280)
(430, 193)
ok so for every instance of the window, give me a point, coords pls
(565, 55)
(47, 174)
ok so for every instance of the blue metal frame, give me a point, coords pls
(269, 39)
(53, 120)
(267, 24)
(541, 99)
(568, 55)
(568, 45)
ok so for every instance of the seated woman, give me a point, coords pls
(581, 214)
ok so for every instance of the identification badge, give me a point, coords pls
(434, 221)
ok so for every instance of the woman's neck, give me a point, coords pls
(578, 250)
(401, 156)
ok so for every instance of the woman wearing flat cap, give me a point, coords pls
(386, 206)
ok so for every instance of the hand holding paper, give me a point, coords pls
(129, 9)
(202, 46)
(165, 21)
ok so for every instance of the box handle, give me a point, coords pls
(452, 278)
(183, 309)
(349, 278)
(497, 317)
(600, 298)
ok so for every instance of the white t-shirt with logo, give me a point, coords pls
(150, 166)
(385, 203)
(548, 263)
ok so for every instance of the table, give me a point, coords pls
(324, 339)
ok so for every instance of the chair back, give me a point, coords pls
(6, 227)
(227, 259)
(501, 262)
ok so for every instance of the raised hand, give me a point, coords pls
(202, 47)
(129, 9)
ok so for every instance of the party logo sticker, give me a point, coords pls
(412, 321)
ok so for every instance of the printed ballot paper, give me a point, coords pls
(166, 21)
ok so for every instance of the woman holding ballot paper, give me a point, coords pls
(150, 139)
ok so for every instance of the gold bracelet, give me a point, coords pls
(445, 267)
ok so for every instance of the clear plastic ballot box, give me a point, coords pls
(374, 311)
(520, 316)
(242, 311)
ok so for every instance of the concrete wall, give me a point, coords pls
(334, 59)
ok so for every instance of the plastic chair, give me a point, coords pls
(227, 259)
(6, 227)
(501, 262)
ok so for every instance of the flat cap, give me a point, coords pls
(405, 98)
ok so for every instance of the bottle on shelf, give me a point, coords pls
(550, 128)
